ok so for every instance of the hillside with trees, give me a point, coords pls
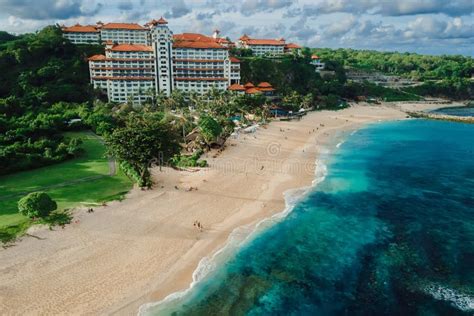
(415, 66)
(442, 76)
(41, 75)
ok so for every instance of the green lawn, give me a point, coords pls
(90, 171)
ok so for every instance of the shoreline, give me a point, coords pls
(144, 248)
(212, 262)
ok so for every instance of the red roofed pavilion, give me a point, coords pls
(237, 87)
(249, 85)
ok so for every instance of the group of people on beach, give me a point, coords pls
(198, 225)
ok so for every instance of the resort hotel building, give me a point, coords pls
(82, 34)
(130, 33)
(270, 47)
(142, 61)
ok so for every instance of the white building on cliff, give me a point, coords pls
(188, 62)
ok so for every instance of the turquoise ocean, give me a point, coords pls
(457, 111)
(389, 231)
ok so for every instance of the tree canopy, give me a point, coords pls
(209, 128)
(143, 141)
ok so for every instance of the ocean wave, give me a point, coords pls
(457, 299)
(243, 234)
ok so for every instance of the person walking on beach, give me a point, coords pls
(198, 225)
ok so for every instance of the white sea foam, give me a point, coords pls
(457, 299)
(339, 144)
(242, 235)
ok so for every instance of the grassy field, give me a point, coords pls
(76, 182)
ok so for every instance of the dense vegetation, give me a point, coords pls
(442, 76)
(143, 141)
(415, 66)
(39, 73)
(6, 37)
(353, 90)
(298, 83)
(451, 88)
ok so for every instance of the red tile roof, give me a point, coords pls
(195, 40)
(249, 85)
(155, 22)
(253, 91)
(193, 44)
(222, 40)
(315, 57)
(234, 60)
(236, 87)
(271, 42)
(254, 41)
(192, 37)
(81, 29)
(292, 45)
(162, 21)
(123, 26)
(131, 48)
(97, 57)
(264, 85)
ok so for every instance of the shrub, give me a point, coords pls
(36, 204)
(134, 175)
(209, 128)
(182, 161)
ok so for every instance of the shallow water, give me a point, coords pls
(457, 111)
(390, 231)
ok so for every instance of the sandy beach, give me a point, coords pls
(145, 247)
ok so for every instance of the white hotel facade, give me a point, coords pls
(135, 66)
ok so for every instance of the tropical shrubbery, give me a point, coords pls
(143, 142)
(184, 161)
(209, 129)
(33, 137)
(291, 74)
